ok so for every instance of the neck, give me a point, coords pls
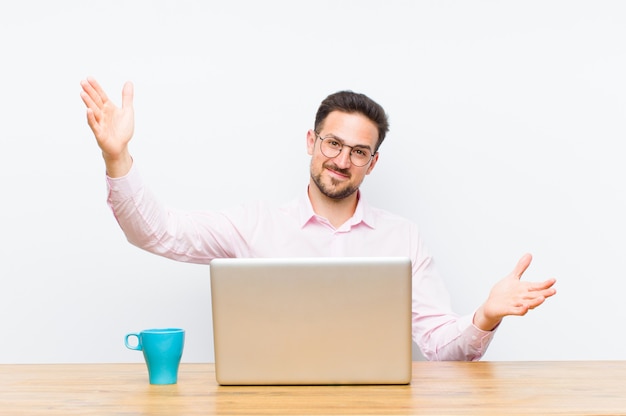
(336, 211)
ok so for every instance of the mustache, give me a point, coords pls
(330, 165)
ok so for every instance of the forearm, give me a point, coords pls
(441, 334)
(455, 340)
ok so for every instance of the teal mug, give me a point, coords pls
(162, 350)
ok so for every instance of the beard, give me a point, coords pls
(333, 190)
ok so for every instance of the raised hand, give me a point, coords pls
(112, 126)
(511, 296)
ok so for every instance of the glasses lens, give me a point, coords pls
(360, 157)
(331, 147)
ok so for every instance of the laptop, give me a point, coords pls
(311, 321)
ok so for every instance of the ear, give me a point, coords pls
(310, 142)
(372, 163)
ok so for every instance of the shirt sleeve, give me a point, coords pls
(194, 237)
(441, 334)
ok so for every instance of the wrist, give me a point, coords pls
(118, 166)
(484, 322)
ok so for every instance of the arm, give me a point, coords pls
(188, 236)
(112, 126)
(195, 237)
(511, 296)
(444, 336)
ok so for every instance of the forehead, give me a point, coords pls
(352, 128)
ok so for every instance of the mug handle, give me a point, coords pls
(133, 347)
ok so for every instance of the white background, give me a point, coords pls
(507, 128)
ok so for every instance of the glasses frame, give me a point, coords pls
(341, 149)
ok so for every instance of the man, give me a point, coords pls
(331, 219)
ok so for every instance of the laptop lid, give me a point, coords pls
(312, 320)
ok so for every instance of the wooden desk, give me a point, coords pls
(501, 388)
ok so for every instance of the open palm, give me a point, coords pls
(112, 126)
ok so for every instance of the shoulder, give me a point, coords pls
(383, 217)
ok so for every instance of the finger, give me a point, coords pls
(92, 93)
(101, 96)
(534, 299)
(91, 108)
(127, 95)
(548, 293)
(519, 310)
(542, 285)
(522, 265)
(87, 100)
(91, 120)
(536, 302)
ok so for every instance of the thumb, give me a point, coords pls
(522, 265)
(127, 95)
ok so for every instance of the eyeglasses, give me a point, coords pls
(332, 147)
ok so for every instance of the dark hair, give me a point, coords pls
(352, 102)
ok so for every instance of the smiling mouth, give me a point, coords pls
(335, 171)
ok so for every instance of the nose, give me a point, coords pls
(343, 158)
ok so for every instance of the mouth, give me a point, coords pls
(336, 172)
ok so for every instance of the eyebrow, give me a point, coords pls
(361, 146)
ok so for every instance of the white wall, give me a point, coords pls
(507, 129)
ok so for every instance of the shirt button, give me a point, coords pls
(474, 338)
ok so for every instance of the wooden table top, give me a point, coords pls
(437, 388)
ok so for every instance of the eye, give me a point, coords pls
(334, 143)
(361, 152)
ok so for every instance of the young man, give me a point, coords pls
(330, 219)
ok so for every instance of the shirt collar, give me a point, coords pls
(362, 214)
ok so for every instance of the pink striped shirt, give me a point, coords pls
(294, 230)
